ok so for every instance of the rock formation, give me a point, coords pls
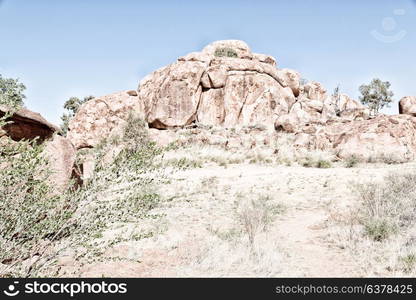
(28, 125)
(407, 106)
(228, 85)
(103, 116)
(61, 155)
(205, 87)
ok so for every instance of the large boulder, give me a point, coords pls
(292, 79)
(311, 106)
(314, 90)
(351, 109)
(387, 136)
(26, 124)
(407, 106)
(171, 95)
(225, 84)
(103, 117)
(59, 151)
(61, 155)
(383, 136)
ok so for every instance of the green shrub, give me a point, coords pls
(379, 230)
(323, 164)
(30, 211)
(11, 92)
(351, 161)
(225, 52)
(408, 262)
(35, 220)
(310, 162)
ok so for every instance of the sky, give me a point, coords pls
(60, 49)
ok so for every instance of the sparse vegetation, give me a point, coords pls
(225, 52)
(255, 215)
(311, 162)
(36, 222)
(323, 164)
(184, 163)
(351, 161)
(409, 262)
(336, 98)
(387, 207)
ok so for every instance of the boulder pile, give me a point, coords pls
(228, 85)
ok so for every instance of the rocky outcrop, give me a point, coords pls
(407, 106)
(26, 124)
(59, 151)
(215, 87)
(366, 139)
(351, 109)
(102, 117)
(292, 79)
(227, 85)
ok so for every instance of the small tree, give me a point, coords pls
(376, 95)
(71, 106)
(336, 98)
(11, 92)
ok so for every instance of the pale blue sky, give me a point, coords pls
(80, 47)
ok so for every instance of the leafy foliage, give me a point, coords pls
(11, 92)
(376, 95)
(29, 210)
(225, 52)
(71, 107)
(36, 223)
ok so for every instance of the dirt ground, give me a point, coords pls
(246, 220)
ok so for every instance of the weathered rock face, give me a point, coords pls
(103, 116)
(26, 124)
(208, 88)
(292, 79)
(407, 106)
(314, 90)
(61, 155)
(171, 95)
(351, 109)
(227, 85)
(382, 135)
(59, 151)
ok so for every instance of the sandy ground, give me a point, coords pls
(203, 231)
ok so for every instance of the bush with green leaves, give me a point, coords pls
(11, 92)
(37, 222)
(225, 52)
(376, 95)
(30, 211)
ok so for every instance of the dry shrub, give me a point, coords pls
(388, 206)
(36, 224)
